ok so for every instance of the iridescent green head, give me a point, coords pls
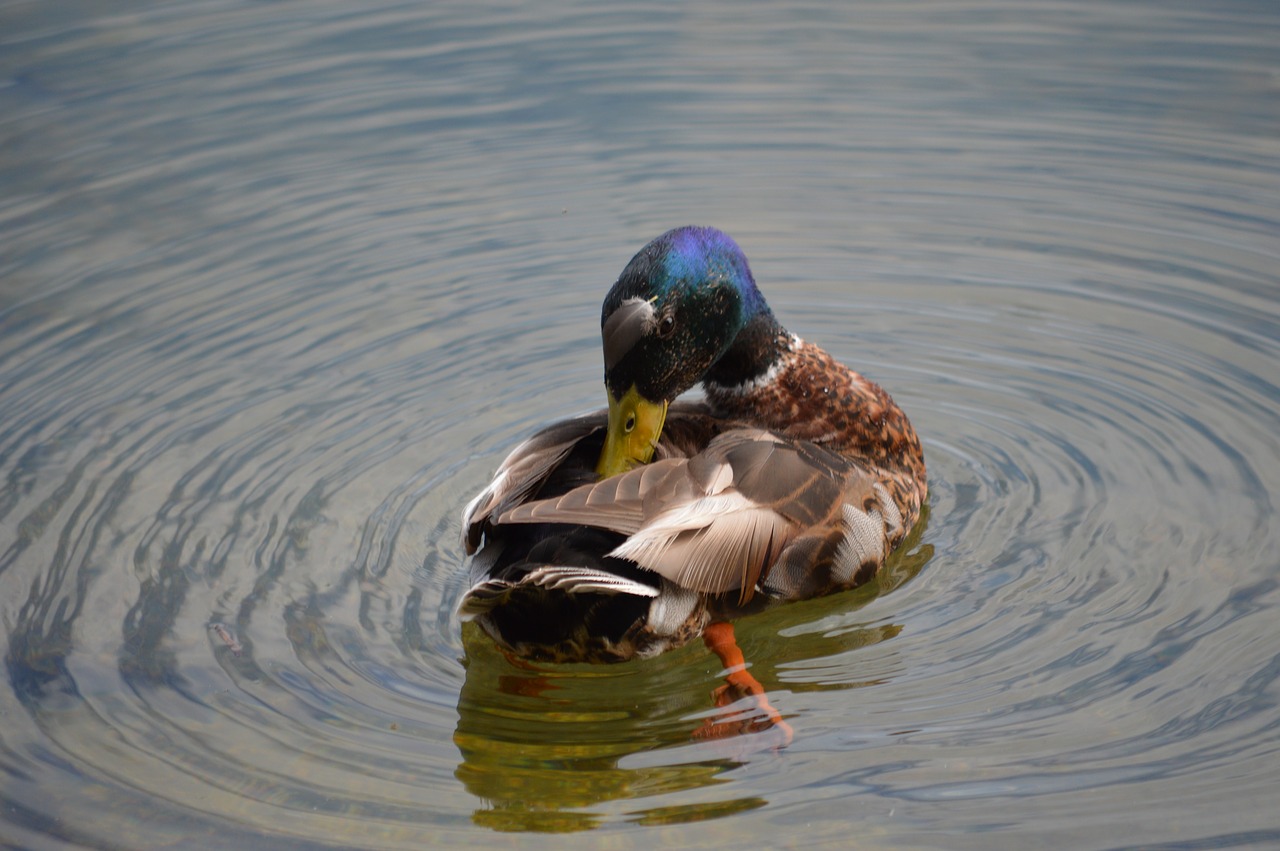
(677, 308)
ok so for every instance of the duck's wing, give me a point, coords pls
(545, 456)
(617, 503)
(524, 470)
(713, 523)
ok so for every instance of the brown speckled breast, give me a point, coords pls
(812, 396)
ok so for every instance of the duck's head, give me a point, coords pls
(675, 311)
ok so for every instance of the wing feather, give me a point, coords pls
(484, 596)
(712, 545)
(618, 503)
(524, 469)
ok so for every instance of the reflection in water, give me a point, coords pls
(538, 745)
(542, 744)
(541, 747)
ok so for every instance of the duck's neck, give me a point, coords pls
(758, 348)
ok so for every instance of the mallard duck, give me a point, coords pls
(625, 532)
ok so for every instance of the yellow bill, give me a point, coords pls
(634, 426)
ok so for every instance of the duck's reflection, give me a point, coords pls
(549, 747)
(541, 743)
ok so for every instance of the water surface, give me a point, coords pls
(280, 284)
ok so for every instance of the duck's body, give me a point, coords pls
(607, 537)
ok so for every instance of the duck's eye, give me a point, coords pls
(666, 325)
(630, 424)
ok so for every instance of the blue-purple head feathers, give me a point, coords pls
(676, 309)
(689, 257)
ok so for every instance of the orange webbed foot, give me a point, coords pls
(749, 710)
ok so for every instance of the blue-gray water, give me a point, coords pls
(280, 284)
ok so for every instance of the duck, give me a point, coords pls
(626, 532)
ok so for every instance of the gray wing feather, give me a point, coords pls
(524, 469)
(484, 596)
(620, 503)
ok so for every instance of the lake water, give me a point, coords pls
(281, 283)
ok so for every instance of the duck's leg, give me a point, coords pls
(739, 685)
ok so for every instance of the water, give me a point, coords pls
(281, 283)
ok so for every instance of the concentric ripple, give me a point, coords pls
(280, 286)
